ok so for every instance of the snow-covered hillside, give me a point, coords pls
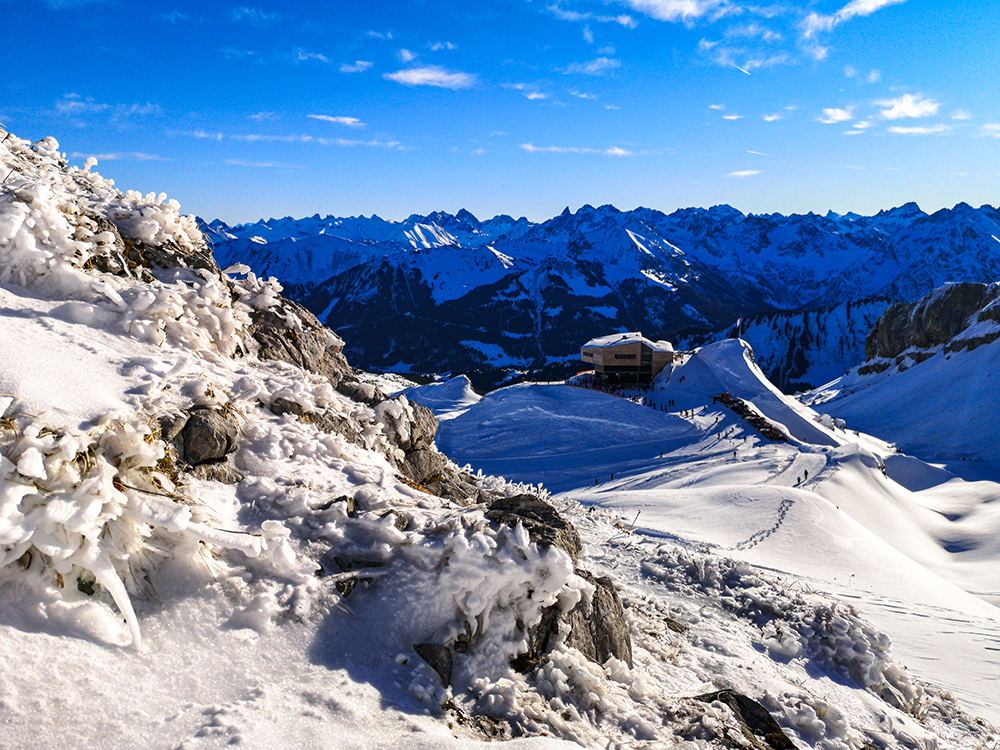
(450, 293)
(828, 509)
(215, 533)
(928, 382)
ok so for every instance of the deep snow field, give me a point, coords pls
(915, 548)
(142, 607)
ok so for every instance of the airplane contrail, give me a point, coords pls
(739, 68)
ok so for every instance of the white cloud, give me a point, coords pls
(588, 35)
(433, 75)
(351, 122)
(262, 164)
(75, 104)
(718, 107)
(406, 56)
(254, 16)
(614, 151)
(933, 130)
(612, 107)
(301, 55)
(862, 125)
(772, 118)
(570, 15)
(581, 95)
(535, 95)
(596, 67)
(961, 114)
(678, 10)
(990, 130)
(732, 117)
(815, 23)
(850, 72)
(202, 135)
(761, 153)
(833, 115)
(264, 116)
(268, 138)
(744, 173)
(908, 105)
(359, 66)
(379, 35)
(874, 76)
(135, 155)
(438, 46)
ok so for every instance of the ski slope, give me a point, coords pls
(913, 547)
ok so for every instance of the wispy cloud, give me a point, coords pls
(815, 23)
(264, 116)
(744, 173)
(262, 164)
(405, 56)
(175, 16)
(761, 153)
(351, 122)
(732, 117)
(932, 130)
(581, 94)
(120, 156)
(433, 75)
(379, 35)
(832, 115)
(269, 138)
(75, 105)
(254, 16)
(596, 67)
(772, 118)
(990, 130)
(358, 66)
(961, 114)
(438, 46)
(570, 15)
(681, 10)
(613, 151)
(301, 55)
(908, 105)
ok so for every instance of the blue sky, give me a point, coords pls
(516, 106)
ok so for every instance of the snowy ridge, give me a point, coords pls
(579, 275)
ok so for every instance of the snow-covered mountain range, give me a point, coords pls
(452, 293)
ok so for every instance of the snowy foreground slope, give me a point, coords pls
(205, 544)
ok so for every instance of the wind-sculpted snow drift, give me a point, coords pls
(182, 445)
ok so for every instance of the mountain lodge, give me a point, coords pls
(627, 357)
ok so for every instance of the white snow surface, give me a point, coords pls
(913, 549)
(143, 608)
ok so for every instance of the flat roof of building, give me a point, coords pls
(615, 339)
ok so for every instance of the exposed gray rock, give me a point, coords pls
(365, 393)
(542, 522)
(408, 425)
(290, 333)
(439, 657)
(929, 322)
(757, 724)
(598, 627)
(424, 466)
(207, 436)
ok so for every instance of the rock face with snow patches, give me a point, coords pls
(453, 293)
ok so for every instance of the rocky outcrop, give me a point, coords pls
(758, 726)
(934, 320)
(597, 625)
(290, 333)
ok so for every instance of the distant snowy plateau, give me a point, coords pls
(216, 532)
(497, 298)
